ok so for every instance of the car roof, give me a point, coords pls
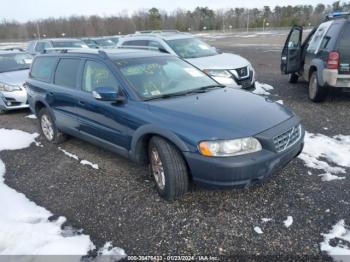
(113, 54)
(162, 35)
(59, 39)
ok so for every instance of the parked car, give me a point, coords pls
(228, 69)
(157, 109)
(14, 68)
(38, 46)
(99, 42)
(324, 57)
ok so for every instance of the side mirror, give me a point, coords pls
(105, 94)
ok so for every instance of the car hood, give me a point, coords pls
(219, 114)
(219, 61)
(14, 77)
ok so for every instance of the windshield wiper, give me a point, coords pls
(197, 90)
(206, 88)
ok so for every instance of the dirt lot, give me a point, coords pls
(118, 202)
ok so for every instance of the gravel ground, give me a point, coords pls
(118, 202)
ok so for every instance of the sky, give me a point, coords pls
(24, 10)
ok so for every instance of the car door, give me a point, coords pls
(63, 98)
(291, 53)
(102, 120)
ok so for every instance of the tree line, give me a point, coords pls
(199, 19)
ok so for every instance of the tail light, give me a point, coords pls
(333, 60)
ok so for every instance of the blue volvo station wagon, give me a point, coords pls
(159, 110)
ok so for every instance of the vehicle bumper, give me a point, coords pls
(13, 100)
(250, 168)
(239, 170)
(332, 78)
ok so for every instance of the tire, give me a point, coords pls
(171, 178)
(48, 128)
(317, 93)
(293, 78)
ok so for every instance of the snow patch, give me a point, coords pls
(32, 116)
(112, 252)
(85, 162)
(265, 220)
(341, 233)
(258, 230)
(280, 102)
(25, 228)
(335, 149)
(288, 222)
(261, 88)
(11, 139)
(69, 154)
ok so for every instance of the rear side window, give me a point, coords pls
(67, 72)
(42, 68)
(136, 43)
(318, 37)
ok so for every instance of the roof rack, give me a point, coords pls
(337, 15)
(57, 50)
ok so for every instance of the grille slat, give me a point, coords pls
(287, 139)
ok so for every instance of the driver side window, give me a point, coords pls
(97, 75)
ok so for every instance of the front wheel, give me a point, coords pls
(48, 128)
(317, 93)
(168, 169)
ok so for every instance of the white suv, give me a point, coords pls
(228, 69)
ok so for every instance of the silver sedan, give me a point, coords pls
(14, 68)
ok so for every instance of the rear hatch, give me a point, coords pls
(344, 49)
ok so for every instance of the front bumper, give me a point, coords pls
(243, 169)
(13, 100)
(332, 78)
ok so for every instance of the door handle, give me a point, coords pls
(81, 103)
(50, 93)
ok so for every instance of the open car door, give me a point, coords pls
(291, 53)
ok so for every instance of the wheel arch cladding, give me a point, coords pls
(142, 137)
(318, 66)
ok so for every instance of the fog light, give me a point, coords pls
(8, 103)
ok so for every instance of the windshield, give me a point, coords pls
(154, 77)
(104, 42)
(191, 48)
(60, 44)
(14, 62)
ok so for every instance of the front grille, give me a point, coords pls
(242, 72)
(287, 139)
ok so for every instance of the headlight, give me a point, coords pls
(8, 88)
(233, 147)
(217, 72)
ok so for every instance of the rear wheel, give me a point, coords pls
(317, 93)
(293, 78)
(48, 128)
(168, 169)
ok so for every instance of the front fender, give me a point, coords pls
(137, 141)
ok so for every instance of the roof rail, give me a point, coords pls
(337, 15)
(150, 48)
(58, 50)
